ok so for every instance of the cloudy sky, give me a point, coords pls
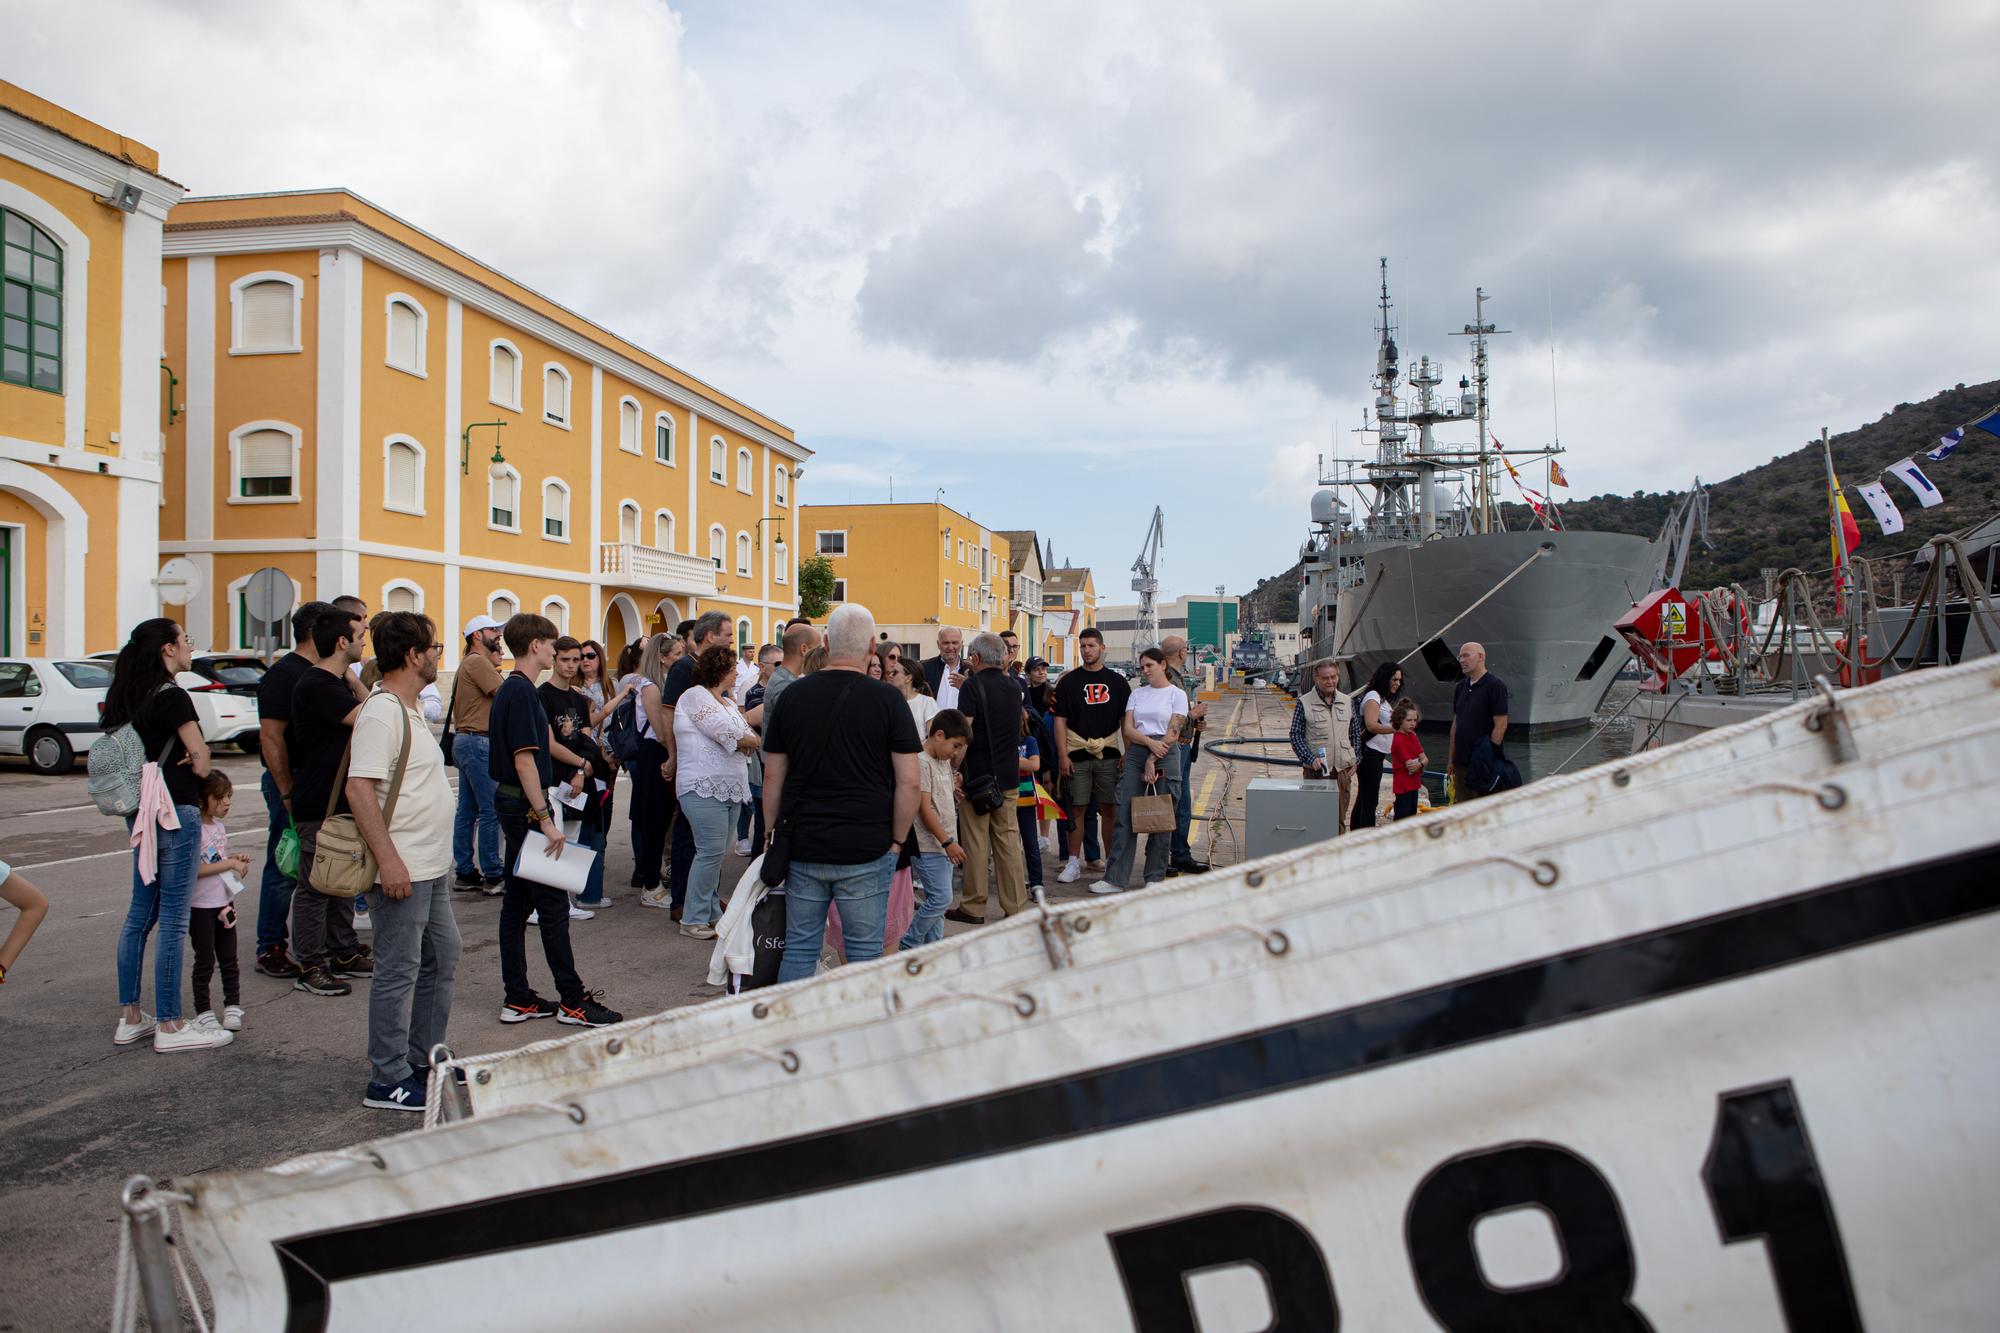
(1068, 261)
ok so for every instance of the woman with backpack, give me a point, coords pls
(143, 695)
(653, 802)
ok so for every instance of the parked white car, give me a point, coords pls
(50, 708)
(224, 700)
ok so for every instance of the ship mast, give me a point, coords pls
(1483, 483)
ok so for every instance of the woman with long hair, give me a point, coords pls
(711, 779)
(908, 678)
(144, 694)
(653, 773)
(1378, 732)
(1155, 714)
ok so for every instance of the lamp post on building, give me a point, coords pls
(498, 467)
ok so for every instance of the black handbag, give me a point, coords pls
(982, 793)
(778, 855)
(450, 714)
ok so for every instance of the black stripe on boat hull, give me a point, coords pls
(1497, 1004)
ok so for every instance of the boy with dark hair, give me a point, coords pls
(323, 712)
(522, 765)
(274, 741)
(937, 824)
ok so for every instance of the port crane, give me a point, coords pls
(1146, 582)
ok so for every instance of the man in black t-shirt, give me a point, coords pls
(522, 764)
(274, 711)
(992, 704)
(569, 724)
(1090, 715)
(840, 763)
(712, 630)
(323, 713)
(1478, 713)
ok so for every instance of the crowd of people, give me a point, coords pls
(829, 751)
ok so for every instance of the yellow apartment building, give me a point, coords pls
(81, 387)
(918, 567)
(376, 412)
(1069, 605)
(1024, 590)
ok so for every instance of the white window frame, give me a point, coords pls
(404, 585)
(839, 591)
(236, 288)
(561, 621)
(947, 543)
(563, 486)
(568, 395)
(673, 529)
(389, 303)
(629, 506)
(718, 546)
(746, 635)
(781, 561)
(746, 471)
(746, 559)
(389, 444)
(235, 496)
(513, 403)
(947, 592)
(233, 597)
(718, 460)
(819, 542)
(494, 596)
(638, 424)
(781, 487)
(518, 497)
(673, 458)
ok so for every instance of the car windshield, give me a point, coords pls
(236, 670)
(86, 675)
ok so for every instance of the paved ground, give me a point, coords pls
(78, 1115)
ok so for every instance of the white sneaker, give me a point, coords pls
(1071, 872)
(579, 913)
(128, 1033)
(697, 932)
(1106, 886)
(207, 1018)
(193, 1037)
(362, 921)
(1034, 889)
(232, 1017)
(743, 846)
(659, 898)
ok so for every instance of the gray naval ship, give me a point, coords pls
(1409, 558)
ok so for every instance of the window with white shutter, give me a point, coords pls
(505, 390)
(267, 317)
(781, 562)
(401, 597)
(717, 453)
(504, 502)
(264, 460)
(628, 523)
(628, 426)
(716, 539)
(746, 472)
(556, 611)
(403, 488)
(663, 530)
(742, 553)
(555, 510)
(503, 608)
(406, 344)
(663, 439)
(781, 485)
(555, 396)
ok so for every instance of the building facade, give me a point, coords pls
(374, 412)
(82, 399)
(1069, 606)
(917, 567)
(1208, 622)
(1025, 576)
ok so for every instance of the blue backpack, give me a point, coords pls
(621, 731)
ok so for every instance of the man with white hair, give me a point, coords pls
(841, 775)
(988, 827)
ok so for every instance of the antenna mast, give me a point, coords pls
(1478, 331)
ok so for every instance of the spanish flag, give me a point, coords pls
(1842, 529)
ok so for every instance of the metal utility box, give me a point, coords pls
(1281, 814)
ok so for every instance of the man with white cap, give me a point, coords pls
(472, 691)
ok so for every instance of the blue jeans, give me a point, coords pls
(274, 896)
(1031, 843)
(409, 993)
(933, 871)
(709, 823)
(475, 805)
(591, 836)
(1124, 842)
(752, 815)
(863, 894)
(164, 903)
(1184, 806)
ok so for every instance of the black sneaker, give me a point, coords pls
(463, 883)
(405, 1096)
(589, 1014)
(495, 885)
(275, 962)
(533, 1007)
(968, 918)
(1187, 865)
(317, 980)
(360, 963)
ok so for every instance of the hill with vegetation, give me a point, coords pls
(1775, 516)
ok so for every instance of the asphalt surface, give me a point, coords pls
(79, 1116)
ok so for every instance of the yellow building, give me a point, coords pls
(81, 210)
(1024, 590)
(1069, 606)
(378, 413)
(917, 567)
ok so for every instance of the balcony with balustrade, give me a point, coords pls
(631, 565)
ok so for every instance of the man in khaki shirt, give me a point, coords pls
(472, 691)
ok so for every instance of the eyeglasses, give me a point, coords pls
(590, 657)
(437, 647)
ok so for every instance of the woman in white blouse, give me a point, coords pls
(1154, 716)
(908, 677)
(712, 779)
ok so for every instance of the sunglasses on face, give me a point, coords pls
(590, 657)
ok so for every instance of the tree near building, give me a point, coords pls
(815, 586)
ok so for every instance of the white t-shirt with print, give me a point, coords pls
(425, 806)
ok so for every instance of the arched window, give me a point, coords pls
(503, 607)
(557, 612)
(264, 463)
(265, 313)
(718, 453)
(743, 632)
(31, 282)
(555, 395)
(746, 472)
(628, 425)
(407, 326)
(555, 510)
(781, 562)
(403, 475)
(742, 553)
(716, 538)
(663, 529)
(628, 523)
(505, 381)
(781, 485)
(663, 439)
(402, 595)
(503, 501)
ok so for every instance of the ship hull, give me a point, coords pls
(1547, 632)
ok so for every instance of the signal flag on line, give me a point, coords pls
(1907, 471)
(1887, 516)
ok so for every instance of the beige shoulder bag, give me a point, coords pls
(342, 866)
